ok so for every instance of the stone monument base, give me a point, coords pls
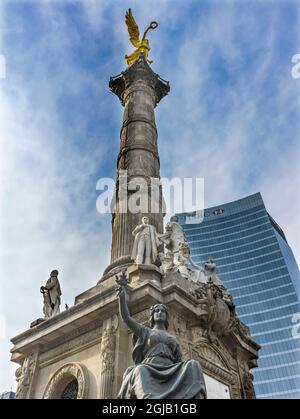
(88, 347)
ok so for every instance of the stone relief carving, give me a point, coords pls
(197, 333)
(210, 271)
(173, 236)
(180, 330)
(221, 315)
(178, 257)
(242, 329)
(63, 376)
(247, 379)
(24, 376)
(184, 264)
(212, 354)
(108, 346)
(73, 344)
(216, 365)
(167, 264)
(108, 351)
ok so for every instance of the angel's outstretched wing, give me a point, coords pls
(133, 29)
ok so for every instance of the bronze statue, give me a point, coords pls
(134, 33)
(159, 372)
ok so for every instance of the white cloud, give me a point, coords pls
(45, 189)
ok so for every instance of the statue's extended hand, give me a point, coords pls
(122, 282)
(120, 291)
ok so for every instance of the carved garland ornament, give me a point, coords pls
(63, 376)
(212, 361)
(24, 375)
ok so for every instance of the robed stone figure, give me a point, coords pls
(159, 371)
(52, 293)
(174, 235)
(145, 244)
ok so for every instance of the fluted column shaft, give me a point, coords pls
(139, 90)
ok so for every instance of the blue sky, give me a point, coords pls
(232, 117)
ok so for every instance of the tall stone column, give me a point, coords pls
(139, 90)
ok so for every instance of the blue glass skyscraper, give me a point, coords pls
(257, 266)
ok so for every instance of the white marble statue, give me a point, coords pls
(185, 265)
(174, 235)
(210, 268)
(167, 264)
(145, 243)
(51, 293)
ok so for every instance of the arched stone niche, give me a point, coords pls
(63, 377)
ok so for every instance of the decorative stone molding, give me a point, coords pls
(213, 354)
(228, 377)
(108, 349)
(214, 362)
(77, 344)
(25, 375)
(179, 328)
(108, 354)
(141, 72)
(63, 376)
(179, 325)
(246, 380)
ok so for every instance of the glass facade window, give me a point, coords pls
(258, 267)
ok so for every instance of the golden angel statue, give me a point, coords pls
(134, 33)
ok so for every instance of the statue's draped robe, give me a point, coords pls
(153, 238)
(177, 235)
(159, 372)
(53, 287)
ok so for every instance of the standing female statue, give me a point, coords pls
(159, 372)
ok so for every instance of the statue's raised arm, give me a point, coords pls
(158, 371)
(134, 326)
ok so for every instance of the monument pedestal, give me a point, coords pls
(89, 345)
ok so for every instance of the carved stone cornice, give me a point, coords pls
(71, 346)
(139, 71)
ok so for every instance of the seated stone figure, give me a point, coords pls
(159, 372)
